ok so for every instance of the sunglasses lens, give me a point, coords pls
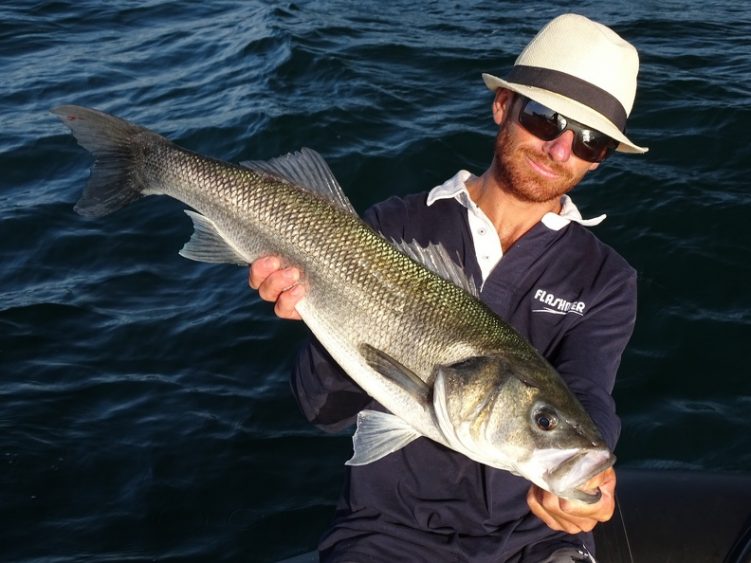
(541, 121)
(546, 124)
(592, 145)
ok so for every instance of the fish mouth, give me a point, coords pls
(567, 479)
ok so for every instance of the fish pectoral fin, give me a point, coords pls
(395, 372)
(378, 434)
(207, 244)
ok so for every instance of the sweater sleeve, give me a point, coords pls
(326, 395)
(589, 354)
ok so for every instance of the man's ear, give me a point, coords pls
(502, 103)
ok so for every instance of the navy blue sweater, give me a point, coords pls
(574, 299)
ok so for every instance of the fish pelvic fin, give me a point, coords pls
(208, 244)
(114, 180)
(379, 434)
(308, 170)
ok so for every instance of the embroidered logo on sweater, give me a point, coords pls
(557, 306)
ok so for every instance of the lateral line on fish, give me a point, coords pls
(361, 289)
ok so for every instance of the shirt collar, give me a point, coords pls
(456, 188)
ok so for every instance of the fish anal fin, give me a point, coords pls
(207, 244)
(379, 434)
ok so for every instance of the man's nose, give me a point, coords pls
(559, 148)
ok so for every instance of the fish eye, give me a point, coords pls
(545, 420)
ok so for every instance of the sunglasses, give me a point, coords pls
(546, 124)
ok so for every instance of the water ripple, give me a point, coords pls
(146, 410)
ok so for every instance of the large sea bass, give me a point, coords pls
(402, 322)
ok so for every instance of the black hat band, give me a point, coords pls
(572, 87)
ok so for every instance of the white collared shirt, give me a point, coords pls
(486, 240)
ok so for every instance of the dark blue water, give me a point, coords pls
(144, 407)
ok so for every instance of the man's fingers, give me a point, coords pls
(267, 276)
(277, 285)
(277, 282)
(548, 508)
(261, 269)
(602, 510)
(285, 305)
(535, 499)
(572, 516)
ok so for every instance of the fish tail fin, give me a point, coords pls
(115, 178)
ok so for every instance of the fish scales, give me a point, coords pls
(427, 350)
(279, 218)
(363, 261)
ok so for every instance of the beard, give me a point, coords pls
(515, 175)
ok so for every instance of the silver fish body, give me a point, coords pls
(420, 343)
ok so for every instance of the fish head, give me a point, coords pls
(515, 413)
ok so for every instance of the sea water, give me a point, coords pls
(145, 411)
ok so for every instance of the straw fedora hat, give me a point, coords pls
(582, 70)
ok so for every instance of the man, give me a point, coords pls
(560, 111)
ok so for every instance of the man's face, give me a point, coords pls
(534, 170)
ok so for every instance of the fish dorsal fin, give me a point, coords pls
(306, 169)
(378, 434)
(436, 258)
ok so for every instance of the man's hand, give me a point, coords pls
(277, 285)
(572, 516)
